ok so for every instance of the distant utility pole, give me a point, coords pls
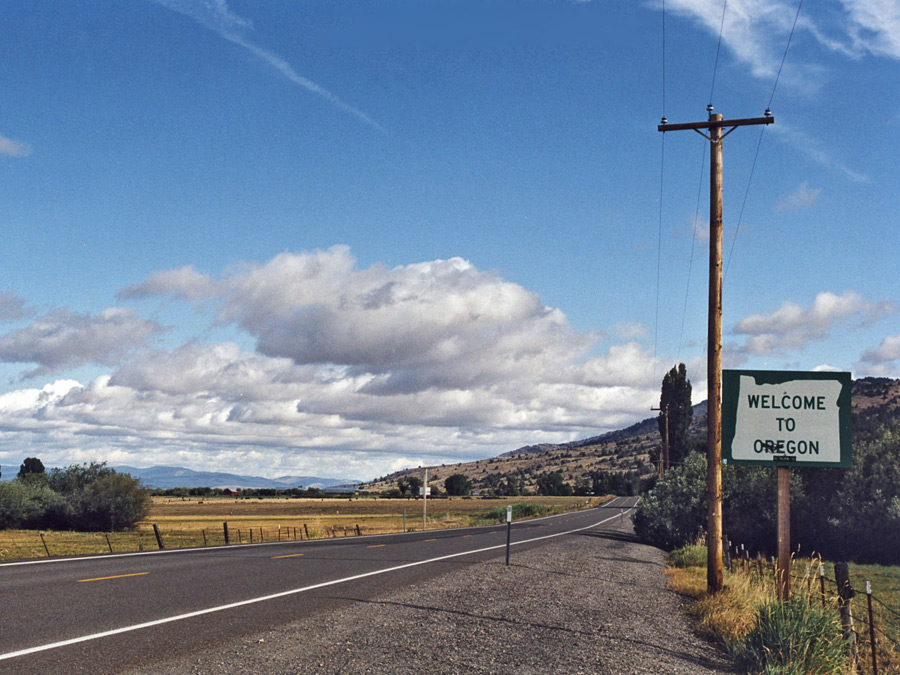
(715, 581)
(664, 455)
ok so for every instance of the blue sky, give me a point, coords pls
(345, 238)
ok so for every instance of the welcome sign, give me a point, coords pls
(786, 418)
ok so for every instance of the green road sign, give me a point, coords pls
(786, 418)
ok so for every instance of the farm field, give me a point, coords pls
(199, 521)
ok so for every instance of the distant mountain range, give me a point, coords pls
(165, 477)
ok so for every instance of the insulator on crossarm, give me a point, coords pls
(768, 113)
(709, 107)
(664, 120)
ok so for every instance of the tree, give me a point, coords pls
(553, 485)
(31, 465)
(457, 485)
(675, 400)
(409, 485)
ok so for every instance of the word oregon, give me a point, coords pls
(789, 447)
(786, 402)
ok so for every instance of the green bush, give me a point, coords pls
(87, 497)
(792, 638)
(111, 503)
(672, 514)
(690, 555)
(519, 511)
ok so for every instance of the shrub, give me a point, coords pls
(110, 503)
(792, 638)
(690, 555)
(672, 514)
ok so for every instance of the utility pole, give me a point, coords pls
(715, 581)
(664, 457)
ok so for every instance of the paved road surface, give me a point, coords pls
(110, 613)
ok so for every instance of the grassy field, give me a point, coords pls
(729, 616)
(193, 521)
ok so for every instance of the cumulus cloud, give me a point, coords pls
(218, 17)
(64, 339)
(441, 324)
(882, 360)
(14, 148)
(793, 326)
(383, 367)
(801, 198)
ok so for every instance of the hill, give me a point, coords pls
(875, 402)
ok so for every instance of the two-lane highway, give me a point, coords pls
(107, 613)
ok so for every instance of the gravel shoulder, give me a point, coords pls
(591, 602)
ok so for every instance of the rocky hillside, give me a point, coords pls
(875, 400)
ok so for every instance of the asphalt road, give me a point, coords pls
(106, 614)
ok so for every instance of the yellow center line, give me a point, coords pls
(292, 555)
(376, 545)
(431, 540)
(117, 576)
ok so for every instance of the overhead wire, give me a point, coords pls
(762, 132)
(662, 165)
(687, 289)
(718, 48)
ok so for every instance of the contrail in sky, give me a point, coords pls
(217, 17)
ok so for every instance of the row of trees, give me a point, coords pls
(86, 497)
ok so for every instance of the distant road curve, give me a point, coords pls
(104, 614)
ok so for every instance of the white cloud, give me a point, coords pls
(14, 148)
(64, 339)
(356, 372)
(793, 326)
(882, 360)
(802, 198)
(875, 26)
(217, 17)
(756, 31)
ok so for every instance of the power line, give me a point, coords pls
(693, 241)
(718, 47)
(762, 132)
(784, 56)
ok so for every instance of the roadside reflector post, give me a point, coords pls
(508, 531)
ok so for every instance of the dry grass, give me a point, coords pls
(729, 616)
(196, 521)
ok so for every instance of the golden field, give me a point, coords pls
(198, 521)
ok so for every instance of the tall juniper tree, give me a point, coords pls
(675, 399)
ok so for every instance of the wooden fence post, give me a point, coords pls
(822, 583)
(872, 628)
(845, 594)
(204, 537)
(358, 533)
(109, 544)
(43, 541)
(159, 541)
(225, 527)
(306, 529)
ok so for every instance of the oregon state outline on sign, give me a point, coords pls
(786, 418)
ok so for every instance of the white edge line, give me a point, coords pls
(282, 594)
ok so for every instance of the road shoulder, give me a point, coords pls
(591, 602)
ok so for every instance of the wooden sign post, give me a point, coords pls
(789, 419)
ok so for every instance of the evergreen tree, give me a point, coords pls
(675, 397)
